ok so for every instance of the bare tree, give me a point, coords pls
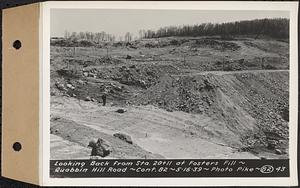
(128, 37)
(67, 34)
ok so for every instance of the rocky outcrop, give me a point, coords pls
(123, 137)
(100, 148)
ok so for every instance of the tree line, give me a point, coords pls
(89, 36)
(97, 37)
(276, 27)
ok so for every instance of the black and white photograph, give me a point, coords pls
(196, 92)
(169, 84)
(150, 93)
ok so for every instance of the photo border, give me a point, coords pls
(176, 5)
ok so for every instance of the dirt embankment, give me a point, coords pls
(246, 110)
(253, 106)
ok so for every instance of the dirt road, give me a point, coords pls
(228, 72)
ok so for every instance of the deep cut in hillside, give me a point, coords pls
(251, 105)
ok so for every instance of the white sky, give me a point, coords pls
(118, 22)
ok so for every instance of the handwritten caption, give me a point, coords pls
(168, 168)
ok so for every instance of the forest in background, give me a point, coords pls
(275, 28)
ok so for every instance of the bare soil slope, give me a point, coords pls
(182, 98)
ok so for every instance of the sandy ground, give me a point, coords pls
(151, 128)
(63, 149)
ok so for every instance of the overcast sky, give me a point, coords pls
(118, 22)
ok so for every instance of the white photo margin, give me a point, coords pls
(45, 179)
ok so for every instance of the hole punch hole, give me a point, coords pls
(17, 44)
(17, 146)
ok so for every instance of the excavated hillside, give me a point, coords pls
(253, 106)
(176, 98)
